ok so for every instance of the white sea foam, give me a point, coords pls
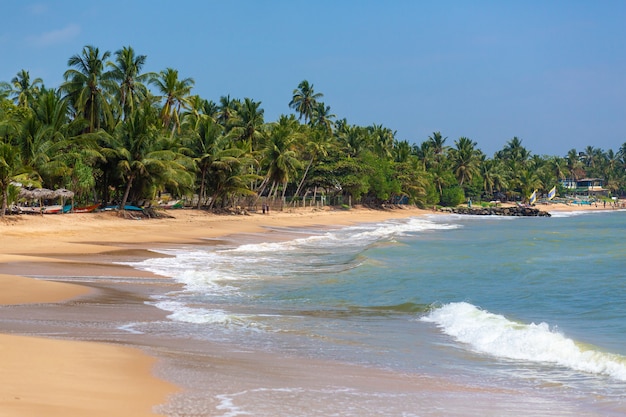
(226, 271)
(198, 315)
(495, 335)
(558, 214)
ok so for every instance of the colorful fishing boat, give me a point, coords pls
(86, 209)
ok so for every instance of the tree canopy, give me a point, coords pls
(112, 132)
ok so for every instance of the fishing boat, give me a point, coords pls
(86, 209)
(54, 209)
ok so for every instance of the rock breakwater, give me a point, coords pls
(497, 211)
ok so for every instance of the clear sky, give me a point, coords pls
(551, 72)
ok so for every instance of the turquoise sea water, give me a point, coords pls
(534, 305)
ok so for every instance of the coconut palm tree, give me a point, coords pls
(382, 140)
(24, 90)
(425, 153)
(465, 160)
(529, 181)
(175, 95)
(438, 146)
(352, 138)
(401, 151)
(199, 108)
(248, 125)
(575, 167)
(88, 87)
(304, 100)
(514, 154)
(5, 90)
(10, 167)
(227, 111)
(228, 175)
(206, 144)
(317, 142)
(322, 116)
(143, 154)
(279, 156)
(126, 72)
(558, 167)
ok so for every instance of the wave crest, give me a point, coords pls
(495, 335)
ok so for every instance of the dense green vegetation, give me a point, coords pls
(111, 132)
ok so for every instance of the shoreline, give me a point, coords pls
(88, 244)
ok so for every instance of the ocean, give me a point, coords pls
(467, 315)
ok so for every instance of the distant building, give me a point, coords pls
(585, 186)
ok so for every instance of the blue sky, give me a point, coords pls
(552, 73)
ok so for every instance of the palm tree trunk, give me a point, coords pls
(262, 186)
(306, 171)
(272, 190)
(129, 184)
(5, 201)
(202, 190)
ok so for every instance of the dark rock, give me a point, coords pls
(497, 211)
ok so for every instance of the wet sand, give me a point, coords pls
(73, 291)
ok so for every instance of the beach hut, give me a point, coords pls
(64, 194)
(36, 194)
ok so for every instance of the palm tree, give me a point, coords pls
(126, 71)
(304, 100)
(279, 154)
(442, 177)
(574, 166)
(425, 154)
(175, 94)
(514, 151)
(382, 139)
(248, 125)
(529, 181)
(465, 160)
(144, 154)
(227, 111)
(198, 109)
(10, 166)
(5, 90)
(491, 174)
(437, 143)
(352, 138)
(557, 165)
(401, 151)
(24, 90)
(206, 144)
(36, 144)
(322, 116)
(228, 176)
(88, 86)
(317, 143)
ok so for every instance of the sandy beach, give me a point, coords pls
(43, 372)
(76, 378)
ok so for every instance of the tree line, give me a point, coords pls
(112, 132)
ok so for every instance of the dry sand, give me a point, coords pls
(69, 378)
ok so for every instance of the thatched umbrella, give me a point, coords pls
(63, 194)
(42, 193)
(26, 193)
(37, 194)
